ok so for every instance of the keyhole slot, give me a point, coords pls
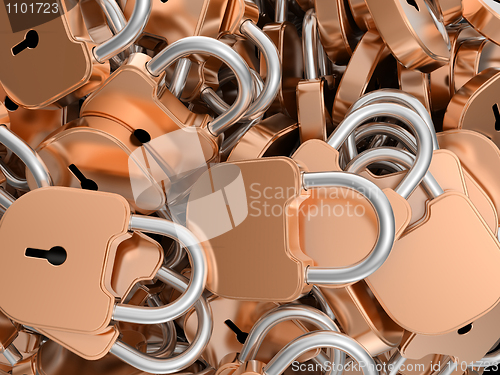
(465, 329)
(496, 112)
(56, 255)
(85, 183)
(30, 41)
(240, 335)
(414, 4)
(10, 105)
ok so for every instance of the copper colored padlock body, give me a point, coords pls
(442, 79)
(469, 345)
(35, 87)
(370, 51)
(33, 126)
(361, 14)
(337, 29)
(306, 4)
(315, 121)
(244, 315)
(26, 343)
(95, 21)
(362, 318)
(281, 276)
(484, 16)
(475, 106)
(472, 58)
(53, 359)
(87, 258)
(275, 136)
(450, 9)
(413, 32)
(286, 39)
(417, 84)
(479, 157)
(8, 331)
(237, 12)
(173, 20)
(447, 170)
(101, 149)
(350, 210)
(437, 292)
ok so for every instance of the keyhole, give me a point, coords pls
(10, 105)
(55, 256)
(30, 41)
(465, 329)
(240, 335)
(496, 112)
(85, 182)
(414, 4)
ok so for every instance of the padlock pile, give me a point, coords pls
(229, 187)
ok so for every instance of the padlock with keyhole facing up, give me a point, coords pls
(51, 44)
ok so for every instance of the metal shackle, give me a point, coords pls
(322, 339)
(126, 36)
(192, 294)
(208, 46)
(399, 158)
(285, 313)
(409, 118)
(385, 240)
(155, 365)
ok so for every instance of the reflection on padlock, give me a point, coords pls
(273, 200)
(484, 16)
(52, 44)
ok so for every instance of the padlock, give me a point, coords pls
(314, 118)
(51, 44)
(361, 317)
(417, 84)
(338, 32)
(8, 333)
(187, 356)
(320, 156)
(408, 263)
(361, 14)
(479, 157)
(474, 106)
(277, 135)
(112, 228)
(413, 31)
(313, 340)
(285, 37)
(472, 57)
(484, 16)
(370, 52)
(233, 321)
(163, 124)
(274, 183)
(257, 335)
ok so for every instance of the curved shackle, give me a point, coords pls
(273, 74)
(400, 158)
(392, 96)
(27, 155)
(409, 118)
(395, 132)
(125, 37)
(310, 45)
(209, 46)
(186, 358)
(114, 15)
(322, 339)
(386, 235)
(285, 313)
(197, 257)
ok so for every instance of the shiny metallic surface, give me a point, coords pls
(127, 313)
(178, 81)
(382, 249)
(29, 157)
(310, 45)
(187, 357)
(204, 45)
(321, 340)
(126, 37)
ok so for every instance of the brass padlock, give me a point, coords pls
(484, 16)
(51, 44)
